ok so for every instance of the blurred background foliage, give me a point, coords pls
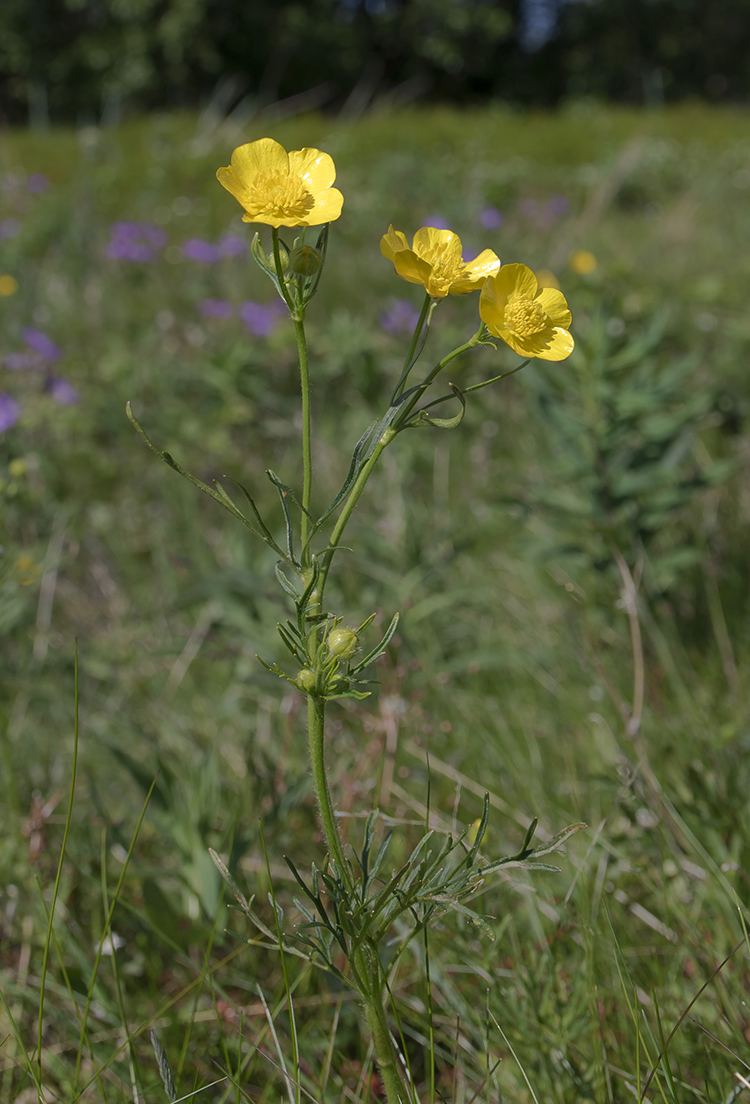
(90, 60)
(127, 276)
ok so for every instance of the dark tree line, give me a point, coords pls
(77, 59)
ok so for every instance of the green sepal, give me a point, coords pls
(260, 258)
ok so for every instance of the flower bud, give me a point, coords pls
(338, 685)
(306, 680)
(305, 261)
(313, 598)
(342, 643)
(283, 257)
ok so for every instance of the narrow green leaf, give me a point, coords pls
(557, 841)
(164, 1071)
(265, 531)
(423, 418)
(379, 649)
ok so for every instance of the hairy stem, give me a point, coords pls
(351, 502)
(316, 714)
(415, 348)
(412, 402)
(381, 1040)
(299, 329)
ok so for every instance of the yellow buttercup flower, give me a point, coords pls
(280, 188)
(27, 570)
(582, 262)
(534, 321)
(435, 261)
(545, 278)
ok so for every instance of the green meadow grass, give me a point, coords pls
(513, 651)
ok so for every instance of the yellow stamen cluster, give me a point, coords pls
(274, 195)
(524, 316)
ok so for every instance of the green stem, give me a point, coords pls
(411, 358)
(316, 713)
(299, 329)
(351, 502)
(280, 271)
(409, 406)
(381, 1040)
(297, 311)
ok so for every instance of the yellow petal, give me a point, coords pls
(315, 168)
(516, 279)
(269, 220)
(265, 155)
(554, 305)
(430, 241)
(492, 305)
(231, 182)
(554, 343)
(476, 272)
(486, 264)
(392, 242)
(327, 207)
(411, 267)
(464, 286)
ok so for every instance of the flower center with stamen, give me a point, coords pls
(446, 267)
(278, 195)
(524, 316)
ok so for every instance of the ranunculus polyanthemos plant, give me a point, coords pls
(350, 906)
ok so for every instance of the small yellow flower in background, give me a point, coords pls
(280, 188)
(8, 286)
(545, 279)
(582, 262)
(27, 570)
(471, 835)
(435, 261)
(533, 321)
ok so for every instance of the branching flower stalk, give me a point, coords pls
(350, 907)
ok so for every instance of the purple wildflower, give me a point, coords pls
(490, 218)
(437, 222)
(41, 344)
(135, 241)
(558, 204)
(10, 228)
(10, 411)
(231, 245)
(400, 318)
(215, 308)
(37, 182)
(196, 249)
(63, 392)
(261, 318)
(18, 362)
